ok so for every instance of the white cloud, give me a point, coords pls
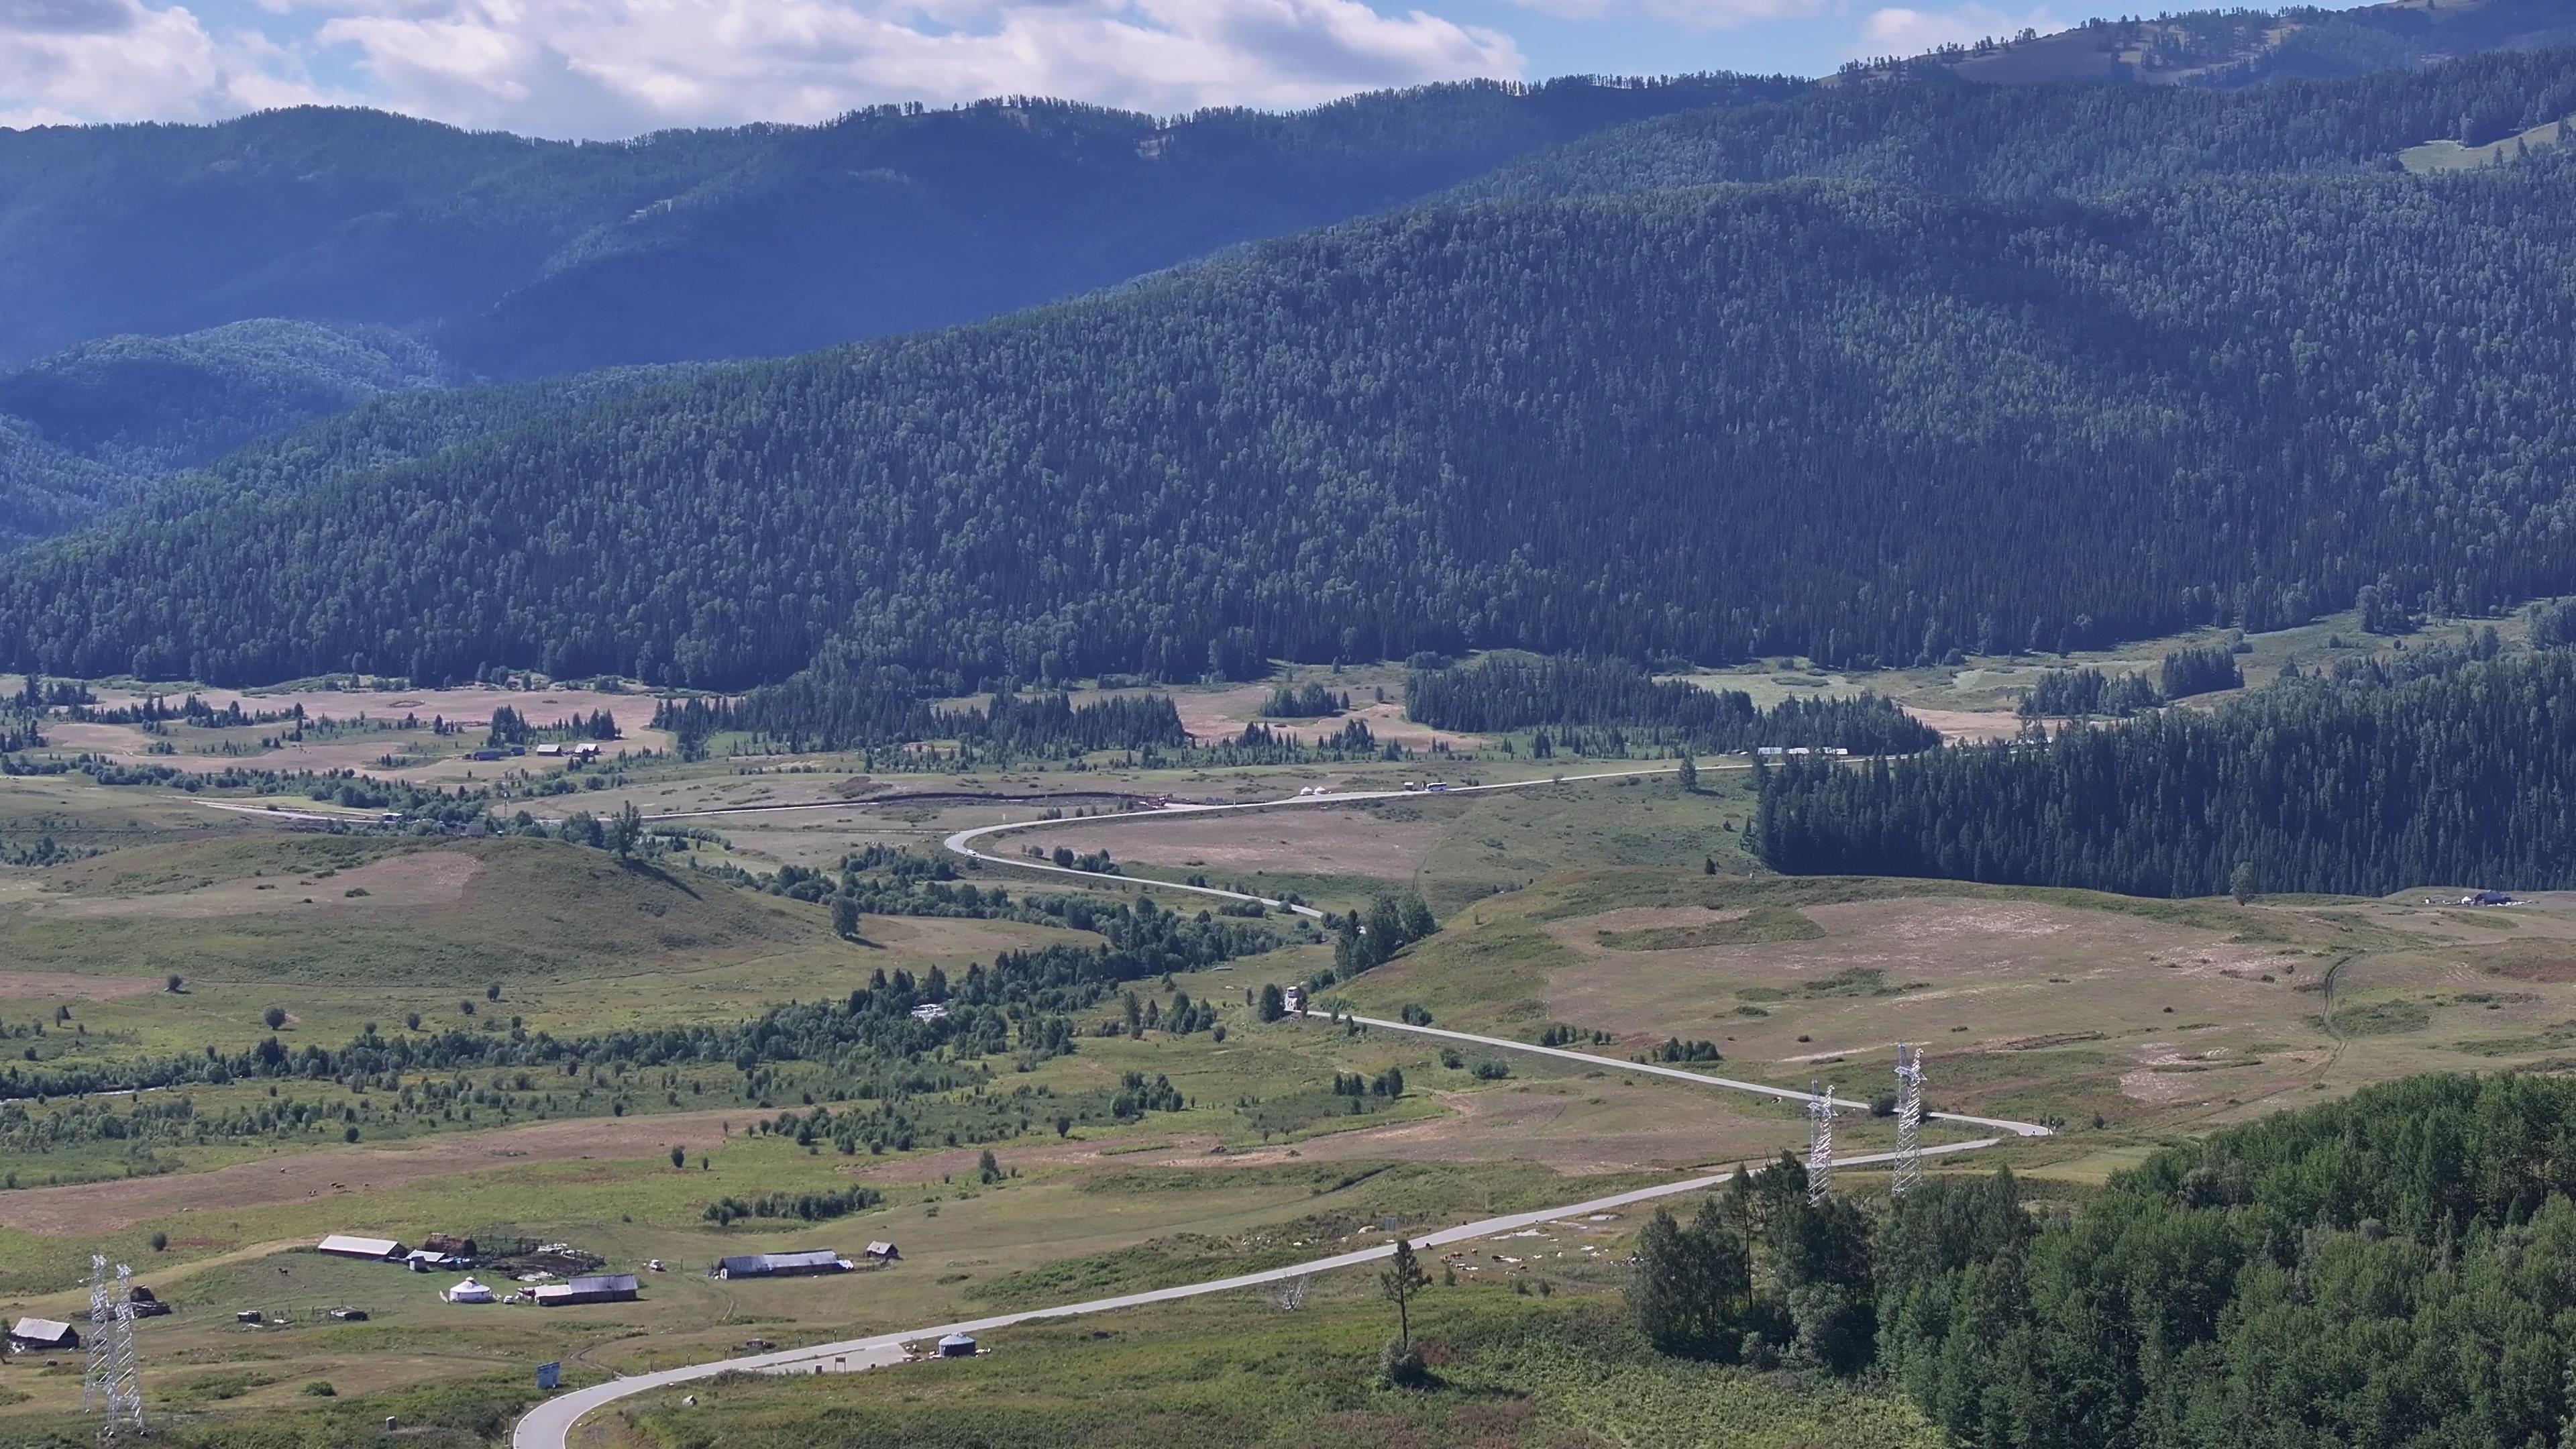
(1897, 30)
(91, 60)
(617, 67)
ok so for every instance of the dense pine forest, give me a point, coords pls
(2363, 785)
(2390, 1270)
(2138, 361)
(838, 706)
(2394, 1270)
(94, 426)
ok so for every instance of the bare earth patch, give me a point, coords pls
(1967, 725)
(65, 986)
(354, 1171)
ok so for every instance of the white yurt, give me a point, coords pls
(469, 1291)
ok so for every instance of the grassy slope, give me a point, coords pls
(1238, 1372)
(527, 910)
(1128, 1208)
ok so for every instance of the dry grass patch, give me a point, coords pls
(319, 1172)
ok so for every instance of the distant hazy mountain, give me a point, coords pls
(2226, 49)
(90, 427)
(516, 257)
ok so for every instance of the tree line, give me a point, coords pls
(2462, 776)
(2198, 669)
(1020, 1005)
(836, 706)
(1509, 691)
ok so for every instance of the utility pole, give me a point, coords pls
(1820, 1142)
(114, 1380)
(1909, 1119)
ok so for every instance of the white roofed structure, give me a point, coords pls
(43, 1333)
(344, 1246)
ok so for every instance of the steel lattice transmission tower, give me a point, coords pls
(115, 1380)
(1820, 1143)
(1909, 1118)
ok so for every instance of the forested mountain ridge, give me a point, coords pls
(2236, 47)
(1844, 418)
(95, 425)
(1824, 418)
(515, 256)
(2054, 140)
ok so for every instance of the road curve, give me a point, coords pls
(961, 843)
(545, 1426)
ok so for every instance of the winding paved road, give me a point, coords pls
(961, 843)
(546, 1425)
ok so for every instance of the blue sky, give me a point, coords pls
(607, 68)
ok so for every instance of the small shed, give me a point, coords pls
(341, 1245)
(957, 1345)
(469, 1291)
(882, 1253)
(597, 1288)
(42, 1333)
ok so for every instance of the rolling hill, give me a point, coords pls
(2153, 359)
(517, 257)
(95, 425)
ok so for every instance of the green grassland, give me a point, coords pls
(1515, 1366)
(384, 911)
(1977, 695)
(2434, 157)
(1514, 1369)
(2150, 1016)
(1625, 908)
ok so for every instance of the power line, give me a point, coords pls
(1820, 1143)
(1909, 1118)
(114, 1381)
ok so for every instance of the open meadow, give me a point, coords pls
(343, 1025)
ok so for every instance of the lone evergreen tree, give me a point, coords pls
(1402, 1279)
(626, 831)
